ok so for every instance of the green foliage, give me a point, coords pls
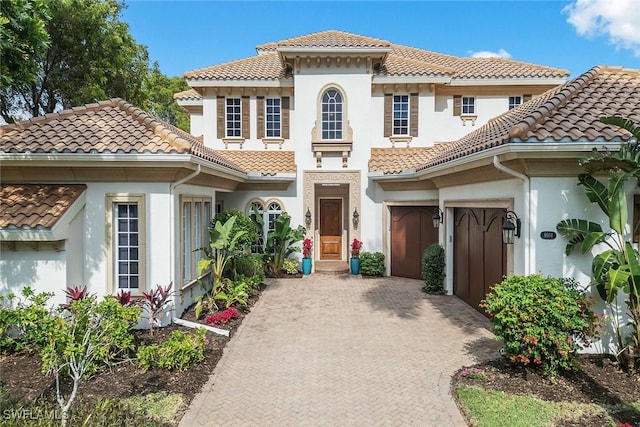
(250, 265)
(178, 352)
(372, 263)
(617, 269)
(281, 242)
(91, 56)
(161, 104)
(22, 39)
(232, 292)
(242, 223)
(433, 262)
(290, 266)
(25, 321)
(541, 320)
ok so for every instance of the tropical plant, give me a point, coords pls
(76, 293)
(250, 265)
(231, 292)
(433, 262)
(356, 247)
(616, 270)
(178, 352)
(281, 242)
(242, 223)
(155, 303)
(25, 321)
(372, 263)
(307, 245)
(542, 321)
(290, 266)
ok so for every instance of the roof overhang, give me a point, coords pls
(59, 231)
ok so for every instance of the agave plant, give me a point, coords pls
(617, 269)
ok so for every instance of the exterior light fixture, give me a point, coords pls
(510, 230)
(356, 218)
(438, 218)
(307, 218)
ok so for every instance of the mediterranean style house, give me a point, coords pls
(354, 137)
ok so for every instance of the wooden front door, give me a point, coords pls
(480, 257)
(411, 233)
(331, 229)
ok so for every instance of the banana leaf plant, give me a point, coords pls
(281, 242)
(617, 268)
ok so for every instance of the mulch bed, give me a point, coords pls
(598, 380)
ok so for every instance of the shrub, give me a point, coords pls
(372, 263)
(243, 223)
(179, 351)
(250, 266)
(232, 292)
(221, 318)
(542, 321)
(290, 266)
(433, 269)
(25, 321)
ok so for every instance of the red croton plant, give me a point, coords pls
(356, 245)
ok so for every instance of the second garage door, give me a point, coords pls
(411, 232)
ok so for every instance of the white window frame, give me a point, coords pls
(269, 214)
(332, 115)
(273, 117)
(399, 114)
(512, 101)
(468, 103)
(194, 234)
(112, 202)
(233, 117)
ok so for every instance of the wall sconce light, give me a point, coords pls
(510, 230)
(307, 217)
(438, 218)
(356, 218)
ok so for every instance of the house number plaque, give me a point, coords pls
(548, 235)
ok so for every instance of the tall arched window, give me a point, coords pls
(332, 114)
(268, 216)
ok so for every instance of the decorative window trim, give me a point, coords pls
(194, 242)
(405, 130)
(400, 139)
(111, 199)
(267, 115)
(342, 146)
(227, 141)
(272, 141)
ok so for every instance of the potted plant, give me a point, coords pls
(356, 245)
(306, 256)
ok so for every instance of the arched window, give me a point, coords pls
(268, 216)
(332, 114)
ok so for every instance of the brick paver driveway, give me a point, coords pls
(343, 350)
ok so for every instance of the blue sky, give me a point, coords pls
(574, 35)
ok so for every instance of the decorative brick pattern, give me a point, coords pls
(342, 350)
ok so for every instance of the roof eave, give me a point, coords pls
(275, 177)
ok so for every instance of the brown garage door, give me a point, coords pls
(411, 232)
(480, 257)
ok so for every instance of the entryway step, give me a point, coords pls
(331, 267)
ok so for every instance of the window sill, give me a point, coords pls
(228, 141)
(399, 139)
(468, 118)
(267, 141)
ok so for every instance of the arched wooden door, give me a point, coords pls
(480, 257)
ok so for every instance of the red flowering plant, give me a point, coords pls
(306, 248)
(356, 245)
(221, 318)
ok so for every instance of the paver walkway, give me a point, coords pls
(344, 351)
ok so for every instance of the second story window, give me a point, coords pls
(468, 105)
(233, 117)
(514, 101)
(401, 114)
(332, 115)
(273, 118)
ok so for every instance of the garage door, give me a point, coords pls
(411, 232)
(480, 257)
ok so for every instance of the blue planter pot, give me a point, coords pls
(355, 265)
(306, 265)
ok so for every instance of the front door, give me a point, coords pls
(331, 229)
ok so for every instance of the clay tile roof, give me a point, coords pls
(333, 38)
(29, 206)
(110, 127)
(266, 47)
(266, 66)
(265, 162)
(400, 66)
(395, 160)
(190, 94)
(568, 113)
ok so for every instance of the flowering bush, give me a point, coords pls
(356, 245)
(543, 321)
(473, 373)
(306, 248)
(222, 317)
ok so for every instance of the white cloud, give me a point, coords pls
(619, 19)
(487, 54)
